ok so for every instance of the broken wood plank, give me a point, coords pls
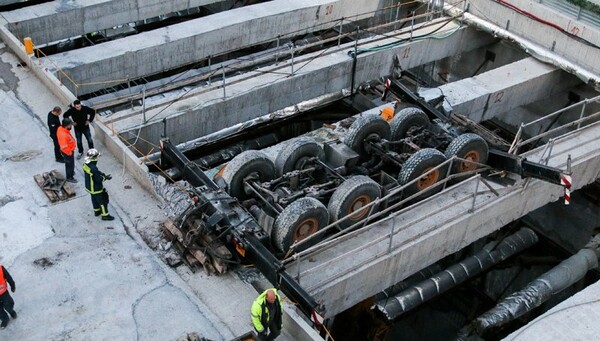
(207, 239)
(68, 189)
(170, 226)
(200, 256)
(217, 246)
(39, 179)
(168, 235)
(209, 268)
(192, 262)
(219, 266)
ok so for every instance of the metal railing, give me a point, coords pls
(472, 196)
(392, 212)
(518, 142)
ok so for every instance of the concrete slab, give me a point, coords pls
(9, 2)
(191, 41)
(203, 111)
(58, 20)
(352, 269)
(503, 89)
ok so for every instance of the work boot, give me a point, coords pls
(108, 217)
(4, 324)
(79, 156)
(13, 314)
(72, 180)
(97, 213)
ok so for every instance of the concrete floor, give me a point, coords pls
(101, 280)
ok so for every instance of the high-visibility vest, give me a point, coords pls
(3, 286)
(65, 140)
(260, 313)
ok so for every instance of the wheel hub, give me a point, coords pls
(357, 205)
(302, 163)
(306, 228)
(472, 156)
(428, 179)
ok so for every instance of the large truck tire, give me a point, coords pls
(296, 222)
(471, 147)
(295, 154)
(416, 166)
(366, 127)
(350, 198)
(246, 164)
(406, 119)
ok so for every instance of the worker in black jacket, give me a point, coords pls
(81, 116)
(93, 185)
(53, 124)
(6, 302)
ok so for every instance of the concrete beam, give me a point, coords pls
(58, 20)
(343, 274)
(541, 34)
(9, 2)
(185, 43)
(503, 89)
(205, 111)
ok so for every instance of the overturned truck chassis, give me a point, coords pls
(225, 218)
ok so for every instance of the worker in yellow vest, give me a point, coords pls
(266, 315)
(6, 302)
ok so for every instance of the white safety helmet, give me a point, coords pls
(91, 155)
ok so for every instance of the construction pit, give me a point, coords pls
(348, 151)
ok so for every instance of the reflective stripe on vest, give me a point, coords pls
(3, 286)
(88, 171)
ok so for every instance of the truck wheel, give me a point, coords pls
(405, 119)
(295, 154)
(248, 163)
(350, 198)
(299, 220)
(364, 128)
(419, 163)
(470, 147)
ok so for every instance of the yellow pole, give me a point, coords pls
(28, 45)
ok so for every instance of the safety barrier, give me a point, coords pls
(390, 212)
(518, 142)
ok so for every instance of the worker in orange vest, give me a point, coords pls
(67, 147)
(6, 302)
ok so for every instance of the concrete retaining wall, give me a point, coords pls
(503, 89)
(296, 326)
(192, 41)
(206, 113)
(58, 20)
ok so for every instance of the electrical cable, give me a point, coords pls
(403, 40)
(542, 21)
